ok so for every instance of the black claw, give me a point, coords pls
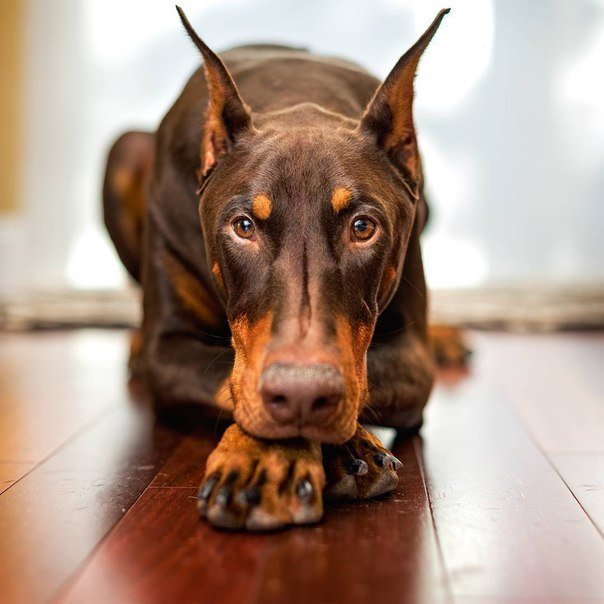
(385, 460)
(304, 490)
(358, 467)
(223, 496)
(206, 489)
(397, 464)
(382, 460)
(252, 496)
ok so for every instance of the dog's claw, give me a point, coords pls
(304, 490)
(358, 467)
(251, 496)
(398, 464)
(386, 460)
(223, 496)
(382, 460)
(205, 491)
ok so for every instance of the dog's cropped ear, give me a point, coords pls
(389, 115)
(227, 116)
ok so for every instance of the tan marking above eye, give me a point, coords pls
(340, 198)
(262, 206)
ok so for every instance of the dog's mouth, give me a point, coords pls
(337, 429)
(297, 391)
(289, 400)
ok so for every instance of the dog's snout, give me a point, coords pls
(301, 394)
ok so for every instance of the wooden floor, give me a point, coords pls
(500, 500)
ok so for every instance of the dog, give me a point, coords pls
(299, 308)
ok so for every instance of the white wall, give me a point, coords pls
(510, 110)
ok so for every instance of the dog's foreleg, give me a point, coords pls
(401, 374)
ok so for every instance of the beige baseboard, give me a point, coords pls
(538, 308)
(510, 309)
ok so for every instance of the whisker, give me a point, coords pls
(390, 333)
(413, 286)
(371, 410)
(215, 359)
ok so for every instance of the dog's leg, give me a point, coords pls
(187, 355)
(127, 176)
(360, 468)
(448, 346)
(401, 373)
(261, 484)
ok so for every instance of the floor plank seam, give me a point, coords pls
(546, 454)
(88, 425)
(420, 462)
(593, 522)
(70, 580)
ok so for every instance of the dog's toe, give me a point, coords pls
(384, 483)
(345, 488)
(261, 520)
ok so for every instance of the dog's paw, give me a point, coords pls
(448, 346)
(262, 485)
(135, 362)
(360, 468)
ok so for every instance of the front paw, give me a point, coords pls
(360, 468)
(262, 485)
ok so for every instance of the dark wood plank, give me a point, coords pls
(509, 527)
(381, 551)
(584, 475)
(507, 524)
(186, 465)
(555, 382)
(55, 516)
(55, 384)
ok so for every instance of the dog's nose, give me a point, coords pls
(301, 394)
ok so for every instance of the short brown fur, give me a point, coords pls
(296, 291)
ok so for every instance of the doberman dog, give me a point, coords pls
(299, 307)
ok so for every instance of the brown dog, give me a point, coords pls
(310, 197)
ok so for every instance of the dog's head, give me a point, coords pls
(306, 218)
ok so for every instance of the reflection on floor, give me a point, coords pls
(501, 499)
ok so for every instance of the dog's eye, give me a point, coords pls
(244, 227)
(363, 228)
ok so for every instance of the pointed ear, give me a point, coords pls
(227, 117)
(389, 115)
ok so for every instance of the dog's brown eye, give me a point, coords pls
(363, 229)
(244, 227)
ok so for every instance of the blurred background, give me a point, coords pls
(509, 108)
